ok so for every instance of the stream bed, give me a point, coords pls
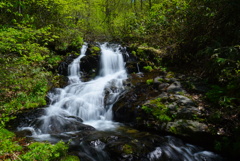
(81, 115)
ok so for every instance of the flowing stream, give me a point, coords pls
(80, 106)
(90, 101)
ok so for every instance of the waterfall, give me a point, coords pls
(74, 67)
(90, 101)
(80, 104)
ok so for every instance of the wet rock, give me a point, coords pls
(24, 133)
(182, 112)
(93, 49)
(126, 109)
(63, 66)
(75, 117)
(89, 64)
(134, 146)
(132, 67)
(25, 118)
(59, 124)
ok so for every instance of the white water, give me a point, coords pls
(74, 67)
(91, 101)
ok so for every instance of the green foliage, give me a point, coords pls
(229, 145)
(7, 143)
(94, 50)
(218, 95)
(68, 38)
(214, 94)
(26, 42)
(13, 148)
(53, 60)
(160, 24)
(45, 151)
(24, 81)
(148, 68)
(158, 110)
(23, 86)
(149, 81)
(224, 62)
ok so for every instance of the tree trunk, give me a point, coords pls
(150, 4)
(19, 7)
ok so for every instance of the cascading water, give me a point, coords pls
(74, 67)
(91, 103)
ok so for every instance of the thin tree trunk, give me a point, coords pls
(19, 7)
(150, 4)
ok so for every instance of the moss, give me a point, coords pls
(134, 53)
(95, 50)
(173, 130)
(73, 53)
(140, 52)
(127, 149)
(161, 80)
(132, 131)
(149, 81)
(148, 68)
(157, 108)
(170, 75)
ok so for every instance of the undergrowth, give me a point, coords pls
(19, 149)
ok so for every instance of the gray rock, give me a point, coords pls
(183, 100)
(186, 127)
(158, 79)
(164, 95)
(188, 113)
(163, 86)
(175, 87)
(171, 80)
(172, 106)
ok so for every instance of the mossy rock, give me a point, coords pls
(186, 127)
(127, 149)
(93, 50)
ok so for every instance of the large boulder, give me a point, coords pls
(89, 66)
(162, 107)
(59, 124)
